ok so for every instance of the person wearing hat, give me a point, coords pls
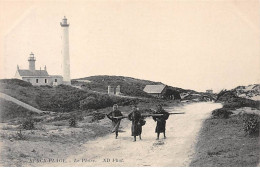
(115, 121)
(161, 121)
(135, 117)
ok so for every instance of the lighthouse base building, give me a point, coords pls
(37, 77)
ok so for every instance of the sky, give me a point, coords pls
(199, 45)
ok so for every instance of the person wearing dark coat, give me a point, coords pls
(115, 121)
(161, 121)
(135, 117)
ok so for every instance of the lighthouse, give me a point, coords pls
(65, 51)
(31, 60)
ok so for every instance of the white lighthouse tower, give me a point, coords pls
(65, 51)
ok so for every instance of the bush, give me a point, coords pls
(19, 136)
(98, 116)
(222, 113)
(251, 124)
(28, 124)
(226, 95)
(89, 103)
(74, 118)
(241, 102)
(73, 122)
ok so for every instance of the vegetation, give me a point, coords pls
(10, 110)
(14, 82)
(98, 116)
(52, 133)
(28, 124)
(19, 136)
(227, 139)
(232, 101)
(73, 122)
(61, 98)
(222, 143)
(221, 113)
(251, 124)
(64, 98)
(170, 91)
(129, 86)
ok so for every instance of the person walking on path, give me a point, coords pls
(135, 116)
(161, 121)
(115, 121)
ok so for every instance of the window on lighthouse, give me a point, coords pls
(37, 81)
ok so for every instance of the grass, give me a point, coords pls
(61, 98)
(10, 110)
(223, 143)
(224, 140)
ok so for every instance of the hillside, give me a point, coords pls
(241, 96)
(230, 99)
(61, 98)
(129, 86)
(90, 95)
(9, 110)
(250, 92)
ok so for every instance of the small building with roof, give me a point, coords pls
(162, 91)
(37, 77)
(155, 90)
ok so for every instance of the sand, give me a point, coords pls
(176, 150)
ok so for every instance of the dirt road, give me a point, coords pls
(176, 150)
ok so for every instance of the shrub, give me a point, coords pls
(28, 124)
(251, 124)
(221, 113)
(19, 136)
(96, 102)
(73, 121)
(98, 116)
(241, 102)
(226, 95)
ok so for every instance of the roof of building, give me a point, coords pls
(35, 73)
(55, 75)
(154, 88)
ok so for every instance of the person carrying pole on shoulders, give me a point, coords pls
(161, 121)
(115, 121)
(136, 118)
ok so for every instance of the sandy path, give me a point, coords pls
(176, 150)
